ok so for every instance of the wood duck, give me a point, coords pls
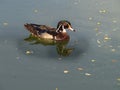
(47, 32)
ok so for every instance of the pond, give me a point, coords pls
(89, 60)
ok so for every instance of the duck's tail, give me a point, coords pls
(30, 28)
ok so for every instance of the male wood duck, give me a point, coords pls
(47, 32)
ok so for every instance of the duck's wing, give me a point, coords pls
(39, 29)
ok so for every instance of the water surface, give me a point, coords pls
(93, 64)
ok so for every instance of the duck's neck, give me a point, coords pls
(62, 36)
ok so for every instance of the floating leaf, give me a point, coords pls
(56, 89)
(98, 41)
(93, 60)
(5, 23)
(87, 74)
(80, 69)
(102, 11)
(66, 71)
(90, 18)
(28, 52)
(35, 10)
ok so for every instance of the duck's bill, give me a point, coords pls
(71, 29)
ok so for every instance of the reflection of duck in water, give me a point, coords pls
(46, 32)
(61, 46)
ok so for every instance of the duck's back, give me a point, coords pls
(40, 29)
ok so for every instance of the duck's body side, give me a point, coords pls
(41, 31)
(47, 32)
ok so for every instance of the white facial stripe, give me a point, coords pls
(63, 29)
(58, 28)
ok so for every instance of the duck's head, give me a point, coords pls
(63, 25)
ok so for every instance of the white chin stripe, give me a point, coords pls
(64, 30)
